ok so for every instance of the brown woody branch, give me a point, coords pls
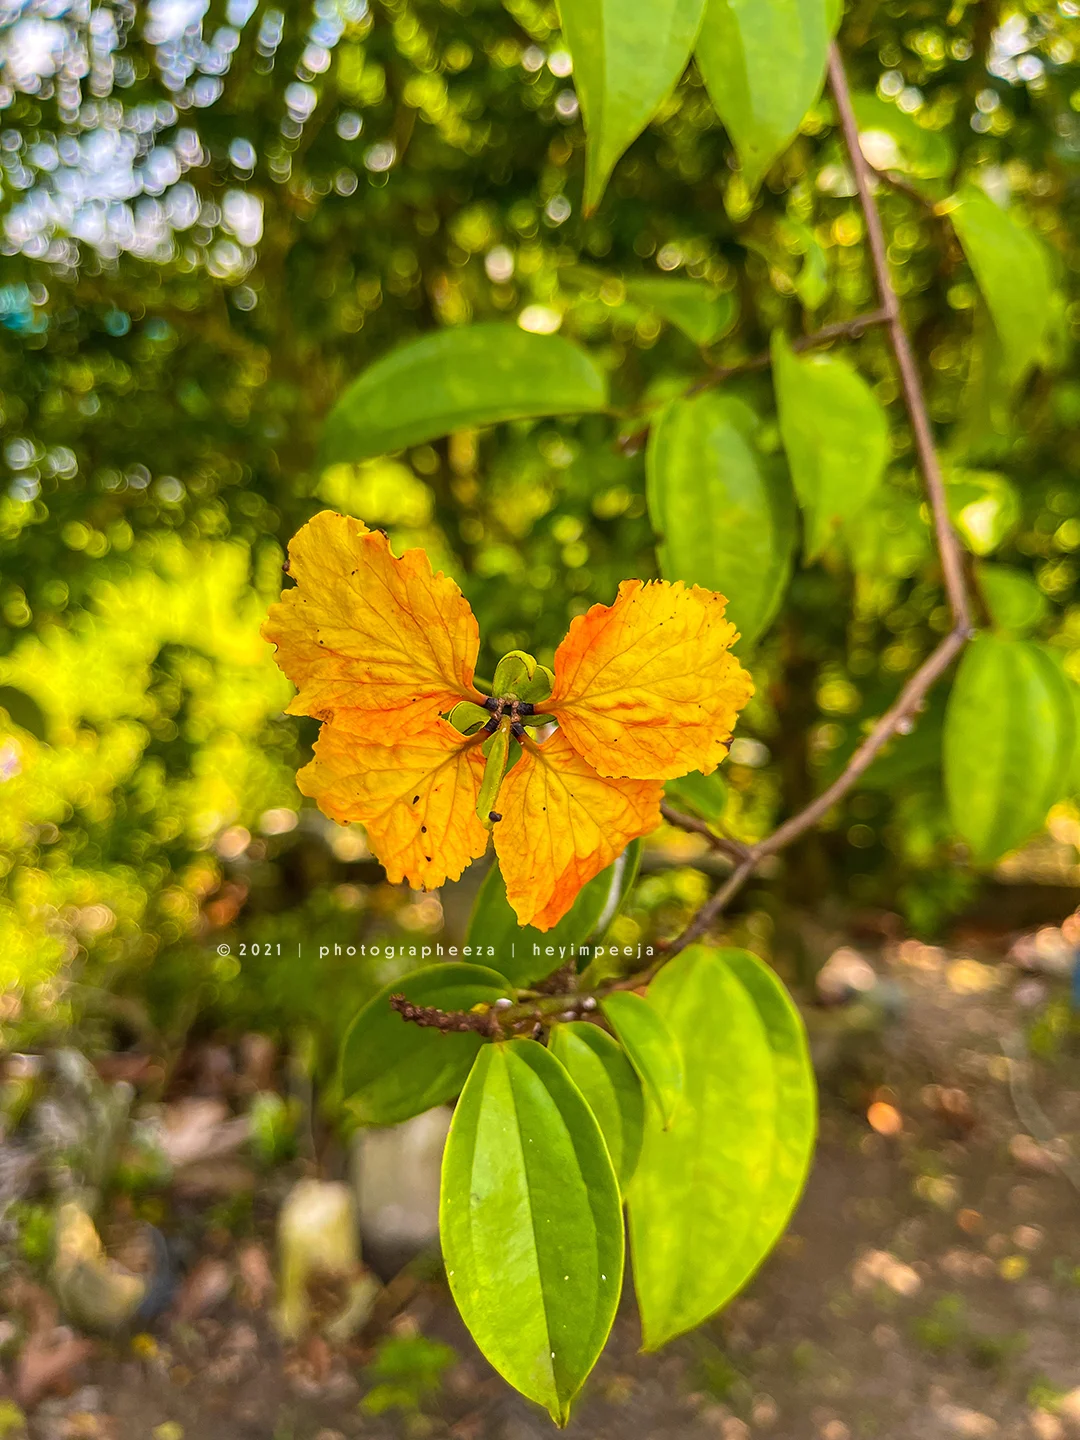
(898, 719)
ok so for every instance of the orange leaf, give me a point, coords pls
(647, 687)
(562, 824)
(416, 798)
(366, 632)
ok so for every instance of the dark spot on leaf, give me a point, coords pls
(416, 799)
(423, 829)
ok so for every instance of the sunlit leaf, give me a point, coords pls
(522, 951)
(984, 507)
(723, 511)
(598, 1066)
(531, 1223)
(713, 1192)
(836, 435)
(1011, 268)
(702, 313)
(763, 62)
(892, 139)
(391, 1069)
(628, 56)
(476, 375)
(562, 824)
(654, 1052)
(1010, 732)
(1014, 600)
(648, 686)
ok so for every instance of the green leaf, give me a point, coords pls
(713, 1193)
(531, 1223)
(598, 1066)
(984, 507)
(763, 63)
(703, 795)
(476, 375)
(653, 1050)
(628, 57)
(1012, 271)
(894, 140)
(836, 435)
(522, 951)
(700, 312)
(390, 1069)
(1010, 732)
(1015, 602)
(723, 511)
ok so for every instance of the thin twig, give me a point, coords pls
(841, 330)
(732, 848)
(905, 187)
(947, 543)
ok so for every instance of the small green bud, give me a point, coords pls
(513, 674)
(468, 717)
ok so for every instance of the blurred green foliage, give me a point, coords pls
(266, 200)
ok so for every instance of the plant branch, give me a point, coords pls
(505, 1019)
(841, 330)
(732, 848)
(948, 546)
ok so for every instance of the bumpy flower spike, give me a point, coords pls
(381, 650)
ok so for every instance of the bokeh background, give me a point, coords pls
(212, 217)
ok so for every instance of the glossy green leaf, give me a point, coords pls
(475, 375)
(598, 1066)
(1012, 271)
(1010, 732)
(531, 1223)
(654, 1052)
(836, 435)
(713, 1193)
(628, 57)
(703, 795)
(894, 140)
(763, 63)
(702, 313)
(1014, 600)
(723, 511)
(390, 1069)
(525, 954)
(984, 507)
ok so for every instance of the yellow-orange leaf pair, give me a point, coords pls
(380, 649)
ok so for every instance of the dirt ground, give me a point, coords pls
(929, 1285)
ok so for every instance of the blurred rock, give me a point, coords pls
(396, 1177)
(845, 976)
(95, 1292)
(1049, 951)
(317, 1239)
